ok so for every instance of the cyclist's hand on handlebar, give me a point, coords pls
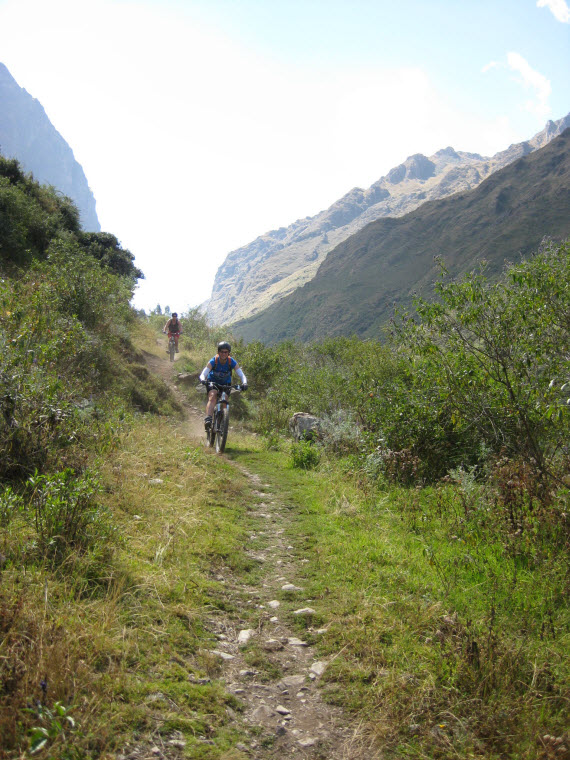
(243, 386)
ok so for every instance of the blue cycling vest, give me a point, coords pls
(221, 373)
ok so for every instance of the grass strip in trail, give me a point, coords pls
(183, 531)
(446, 636)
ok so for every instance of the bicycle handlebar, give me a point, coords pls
(219, 387)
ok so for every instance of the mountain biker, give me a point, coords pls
(219, 371)
(173, 327)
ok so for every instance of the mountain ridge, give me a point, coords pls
(27, 134)
(277, 263)
(354, 291)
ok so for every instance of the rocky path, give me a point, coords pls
(283, 714)
(286, 713)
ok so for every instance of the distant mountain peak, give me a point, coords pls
(414, 167)
(391, 261)
(449, 151)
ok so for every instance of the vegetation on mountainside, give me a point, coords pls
(480, 373)
(33, 216)
(359, 283)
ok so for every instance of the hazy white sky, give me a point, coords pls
(201, 124)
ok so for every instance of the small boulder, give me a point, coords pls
(262, 713)
(305, 612)
(295, 642)
(292, 681)
(272, 645)
(318, 668)
(304, 426)
(290, 587)
(244, 636)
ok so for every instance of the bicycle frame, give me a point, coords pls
(220, 419)
(172, 345)
(222, 402)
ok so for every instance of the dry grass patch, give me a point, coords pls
(119, 644)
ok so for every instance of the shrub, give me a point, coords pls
(407, 412)
(496, 355)
(67, 515)
(271, 441)
(304, 455)
(10, 504)
(37, 420)
(340, 433)
(329, 379)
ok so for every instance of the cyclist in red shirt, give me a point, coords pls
(173, 327)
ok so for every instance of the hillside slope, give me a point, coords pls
(275, 264)
(356, 287)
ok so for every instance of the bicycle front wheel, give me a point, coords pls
(222, 425)
(172, 349)
(211, 433)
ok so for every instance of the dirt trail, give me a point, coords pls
(194, 421)
(284, 717)
(295, 721)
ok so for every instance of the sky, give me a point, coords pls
(202, 124)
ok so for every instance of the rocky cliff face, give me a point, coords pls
(27, 134)
(275, 264)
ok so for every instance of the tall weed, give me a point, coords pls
(67, 514)
(11, 504)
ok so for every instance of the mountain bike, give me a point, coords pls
(218, 432)
(172, 345)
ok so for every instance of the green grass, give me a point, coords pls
(443, 637)
(446, 634)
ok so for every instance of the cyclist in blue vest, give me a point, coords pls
(219, 371)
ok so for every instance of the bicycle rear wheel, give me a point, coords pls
(222, 424)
